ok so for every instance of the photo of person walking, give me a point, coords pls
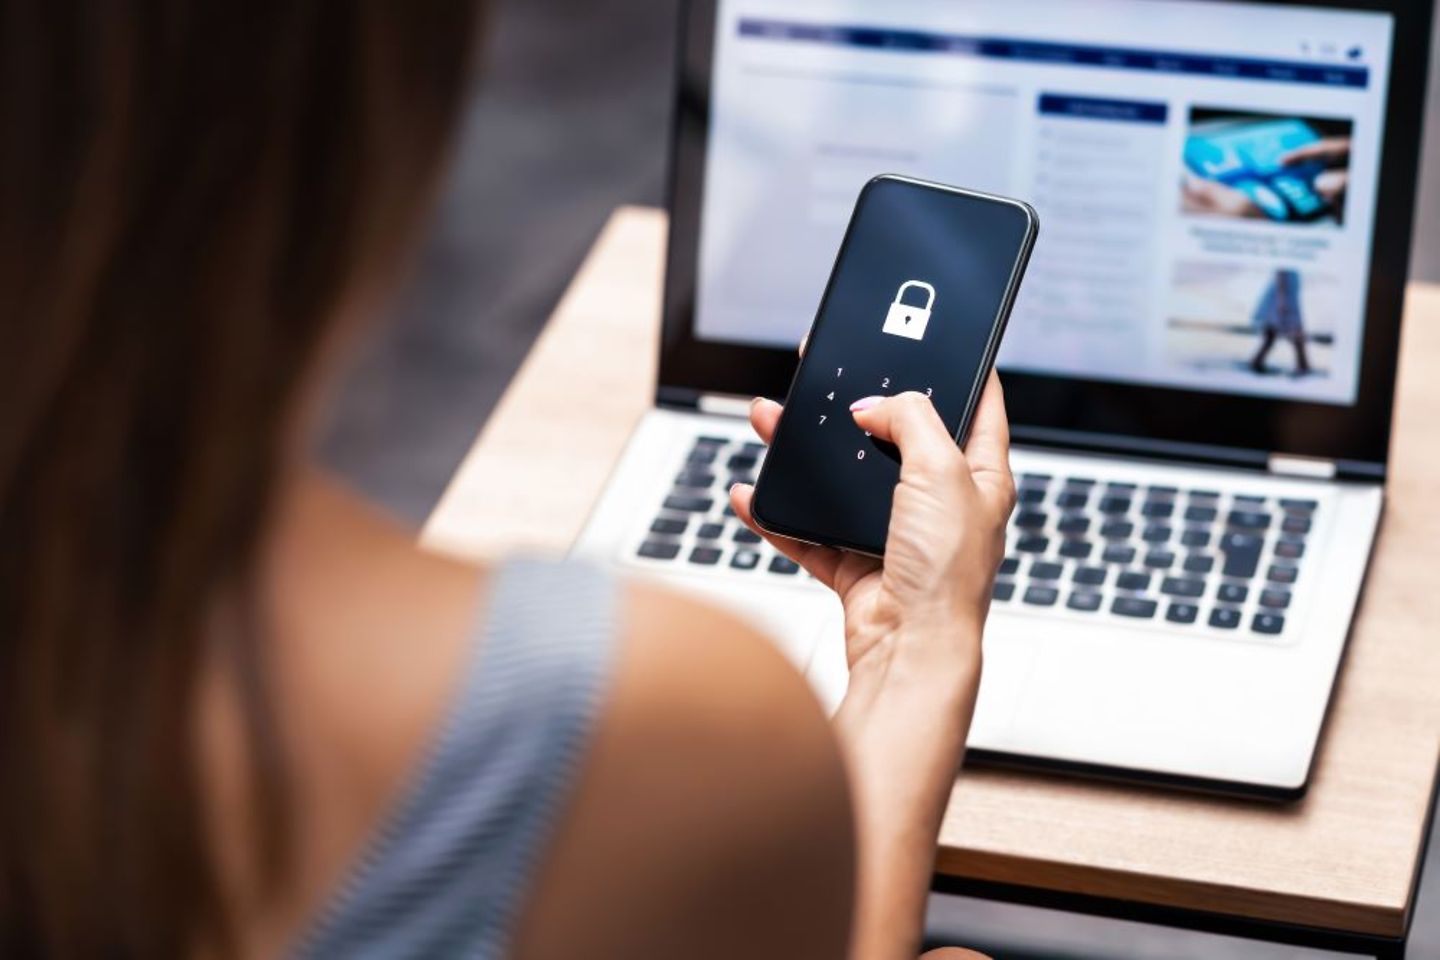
(1278, 315)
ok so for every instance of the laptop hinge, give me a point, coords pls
(724, 404)
(1311, 468)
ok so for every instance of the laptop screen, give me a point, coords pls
(1206, 175)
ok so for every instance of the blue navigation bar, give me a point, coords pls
(1068, 54)
(1095, 108)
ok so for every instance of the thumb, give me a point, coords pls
(909, 421)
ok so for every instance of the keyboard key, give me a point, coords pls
(1275, 599)
(1156, 533)
(1003, 590)
(1134, 607)
(1038, 596)
(1280, 573)
(1076, 549)
(1161, 491)
(1160, 559)
(1199, 563)
(1114, 505)
(1031, 495)
(1158, 509)
(1290, 549)
(669, 526)
(1242, 554)
(1248, 520)
(1195, 538)
(1089, 576)
(1008, 566)
(745, 560)
(1117, 529)
(746, 535)
(1183, 587)
(1181, 612)
(705, 556)
(710, 531)
(741, 463)
(1195, 514)
(1232, 593)
(784, 566)
(1132, 580)
(701, 456)
(752, 448)
(729, 511)
(1119, 489)
(1249, 501)
(1030, 519)
(1079, 482)
(1296, 525)
(1299, 506)
(1118, 553)
(711, 441)
(688, 504)
(694, 479)
(1084, 600)
(1073, 523)
(1036, 479)
(1268, 623)
(1225, 618)
(1205, 495)
(1032, 544)
(1072, 499)
(659, 550)
(1040, 570)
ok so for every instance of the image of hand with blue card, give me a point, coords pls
(1263, 166)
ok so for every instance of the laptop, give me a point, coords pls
(1199, 370)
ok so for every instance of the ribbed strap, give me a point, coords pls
(449, 871)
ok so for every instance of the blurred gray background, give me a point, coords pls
(569, 120)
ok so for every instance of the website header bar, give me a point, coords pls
(1065, 54)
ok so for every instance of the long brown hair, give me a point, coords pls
(189, 192)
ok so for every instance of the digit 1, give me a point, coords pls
(838, 371)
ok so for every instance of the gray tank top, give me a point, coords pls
(447, 873)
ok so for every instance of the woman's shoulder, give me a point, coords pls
(711, 816)
(677, 747)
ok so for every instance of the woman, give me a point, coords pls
(240, 713)
(1278, 315)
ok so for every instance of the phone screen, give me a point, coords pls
(917, 301)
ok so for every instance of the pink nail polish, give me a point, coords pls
(865, 403)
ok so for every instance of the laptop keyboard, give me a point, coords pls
(1077, 546)
(1229, 561)
(695, 526)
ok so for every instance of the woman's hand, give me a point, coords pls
(912, 636)
(924, 606)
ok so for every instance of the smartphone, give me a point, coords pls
(917, 300)
(1246, 156)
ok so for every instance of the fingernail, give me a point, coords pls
(865, 403)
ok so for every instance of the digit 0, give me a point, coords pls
(859, 454)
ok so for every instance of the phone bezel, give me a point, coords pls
(992, 342)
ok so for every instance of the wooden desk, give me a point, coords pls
(1343, 860)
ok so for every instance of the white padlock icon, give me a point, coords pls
(905, 320)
